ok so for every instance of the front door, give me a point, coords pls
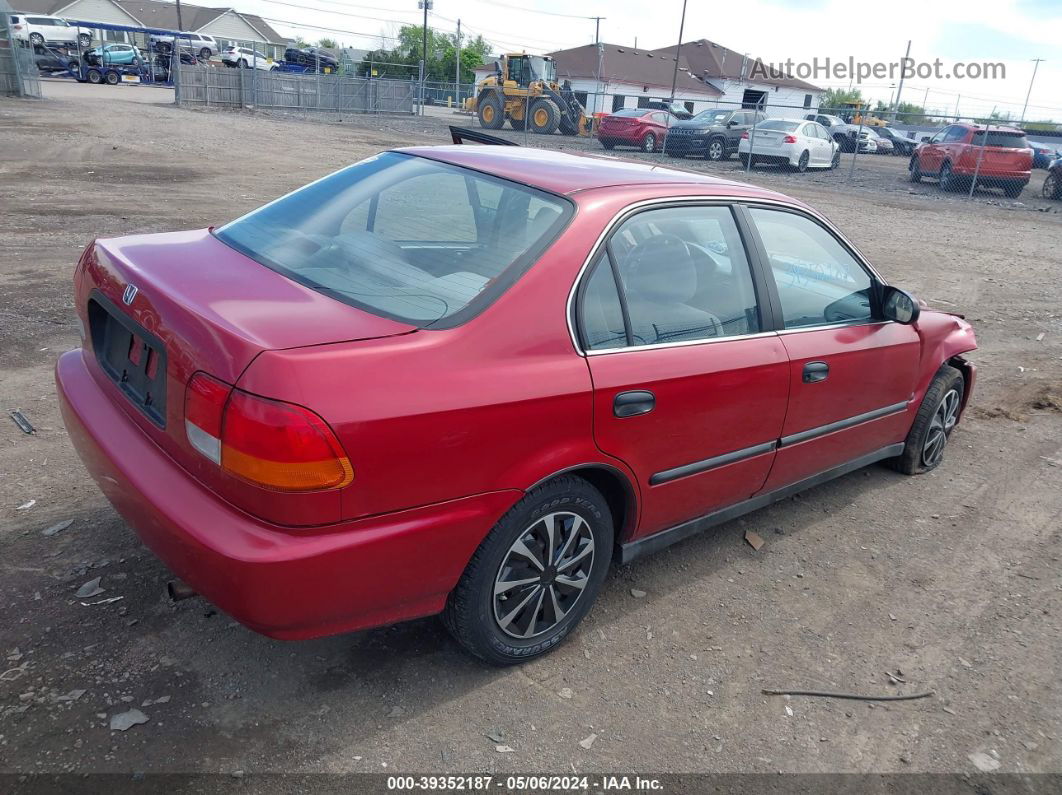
(687, 390)
(852, 376)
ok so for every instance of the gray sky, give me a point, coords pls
(1011, 32)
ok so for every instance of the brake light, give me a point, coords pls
(789, 139)
(268, 442)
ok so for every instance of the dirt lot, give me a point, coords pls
(952, 579)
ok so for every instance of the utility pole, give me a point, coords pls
(457, 77)
(426, 5)
(180, 24)
(899, 89)
(597, 28)
(678, 51)
(1036, 65)
(957, 99)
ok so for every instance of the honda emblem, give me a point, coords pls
(129, 294)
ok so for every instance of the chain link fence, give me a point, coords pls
(962, 154)
(18, 70)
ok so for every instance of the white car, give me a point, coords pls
(796, 143)
(197, 43)
(246, 58)
(43, 29)
(868, 141)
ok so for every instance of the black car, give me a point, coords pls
(712, 134)
(1053, 181)
(51, 59)
(901, 144)
(311, 57)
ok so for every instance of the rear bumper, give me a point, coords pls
(285, 583)
(621, 138)
(985, 172)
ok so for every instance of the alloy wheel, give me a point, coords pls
(715, 150)
(649, 142)
(944, 419)
(543, 575)
(1051, 187)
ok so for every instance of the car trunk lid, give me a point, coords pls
(158, 308)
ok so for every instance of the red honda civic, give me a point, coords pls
(465, 379)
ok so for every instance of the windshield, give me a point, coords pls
(405, 237)
(712, 116)
(778, 124)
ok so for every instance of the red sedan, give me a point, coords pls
(464, 379)
(638, 127)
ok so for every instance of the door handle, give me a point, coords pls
(815, 372)
(631, 404)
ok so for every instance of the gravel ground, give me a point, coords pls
(950, 581)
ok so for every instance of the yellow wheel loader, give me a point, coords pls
(524, 91)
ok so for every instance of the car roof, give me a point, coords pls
(566, 173)
(995, 127)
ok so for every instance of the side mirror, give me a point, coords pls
(731, 123)
(900, 306)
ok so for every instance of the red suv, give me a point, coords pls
(998, 157)
(464, 379)
(638, 127)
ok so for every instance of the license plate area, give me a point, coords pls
(131, 356)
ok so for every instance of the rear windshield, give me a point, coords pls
(778, 124)
(1012, 140)
(631, 112)
(405, 237)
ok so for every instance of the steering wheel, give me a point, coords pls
(654, 249)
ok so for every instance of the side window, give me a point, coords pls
(684, 276)
(955, 133)
(819, 281)
(600, 310)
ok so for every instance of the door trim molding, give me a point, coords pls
(840, 425)
(711, 463)
(652, 543)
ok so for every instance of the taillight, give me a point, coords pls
(268, 442)
(744, 136)
(789, 139)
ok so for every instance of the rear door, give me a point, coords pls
(688, 390)
(739, 124)
(851, 375)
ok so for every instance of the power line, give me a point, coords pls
(534, 10)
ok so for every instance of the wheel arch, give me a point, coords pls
(615, 486)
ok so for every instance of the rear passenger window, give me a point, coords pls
(684, 277)
(819, 282)
(602, 313)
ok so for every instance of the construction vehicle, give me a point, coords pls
(853, 114)
(524, 90)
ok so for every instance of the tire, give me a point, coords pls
(1052, 186)
(835, 163)
(946, 178)
(476, 615)
(242, 63)
(111, 78)
(205, 53)
(802, 163)
(649, 143)
(36, 38)
(605, 142)
(1013, 191)
(94, 76)
(938, 414)
(491, 113)
(716, 150)
(543, 117)
(915, 169)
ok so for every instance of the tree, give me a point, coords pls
(837, 98)
(327, 44)
(403, 61)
